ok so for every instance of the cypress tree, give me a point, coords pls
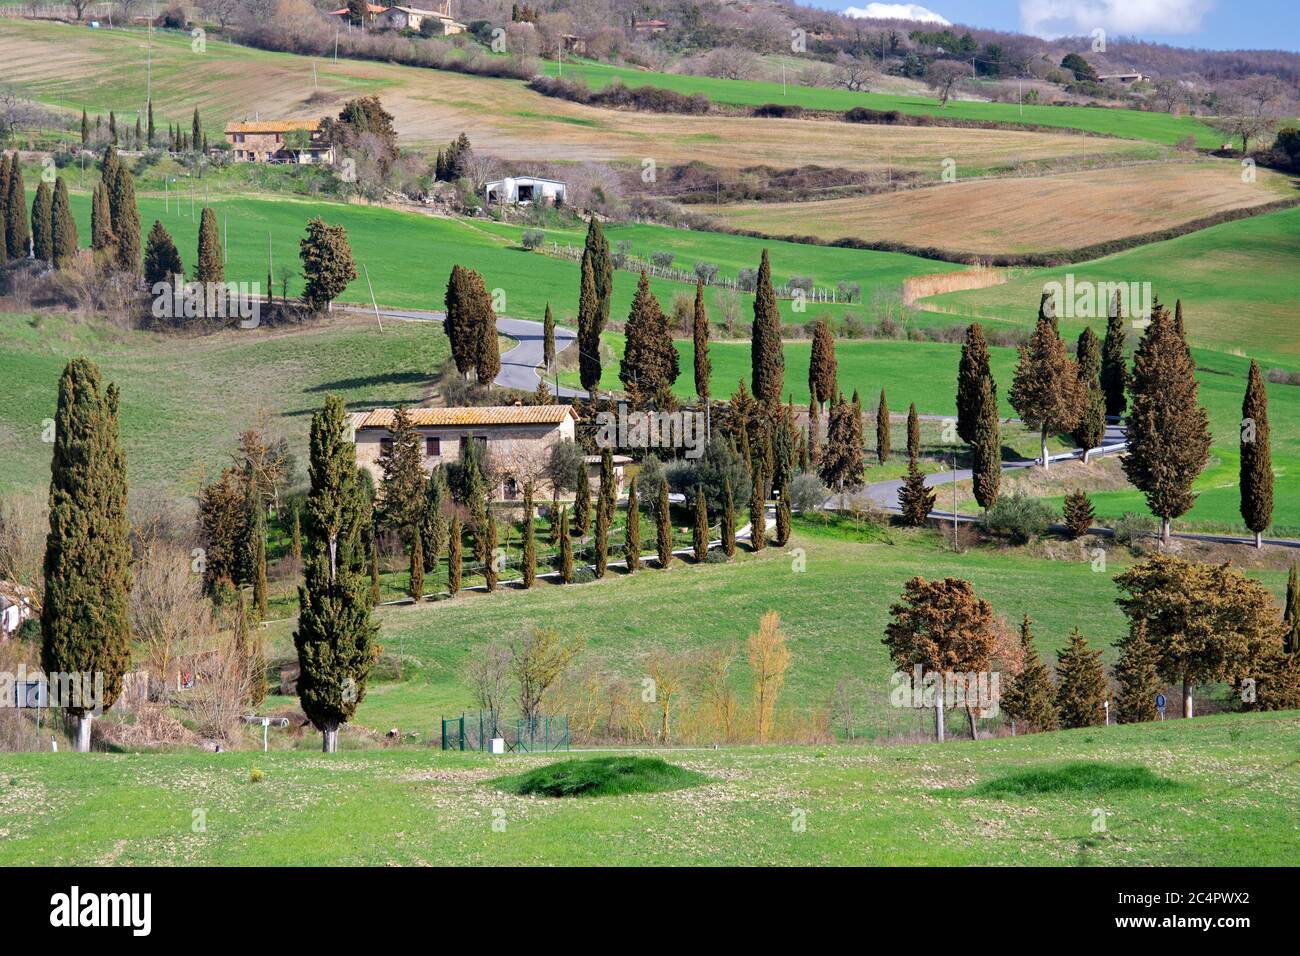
(196, 129)
(161, 258)
(112, 127)
(462, 333)
(455, 556)
(582, 502)
(757, 514)
(43, 224)
(601, 538)
(150, 129)
(1091, 429)
(823, 368)
(971, 371)
(766, 357)
(607, 497)
(986, 447)
(548, 339)
(649, 366)
(566, 548)
(139, 134)
(416, 588)
(489, 549)
(857, 447)
(85, 127)
(632, 531)
(110, 166)
(529, 542)
(5, 173)
(664, 529)
(882, 429)
(1047, 391)
(84, 617)
(335, 635)
(915, 499)
(1079, 515)
(126, 221)
(209, 267)
(728, 520)
(65, 227)
(596, 252)
(101, 219)
(589, 328)
(1256, 480)
(1030, 698)
(913, 432)
(295, 545)
(374, 573)
(1081, 689)
(783, 517)
(814, 434)
(17, 235)
(700, 537)
(1291, 612)
(487, 358)
(1139, 681)
(1114, 366)
(258, 528)
(1168, 430)
(700, 340)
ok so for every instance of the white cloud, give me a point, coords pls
(1054, 18)
(895, 11)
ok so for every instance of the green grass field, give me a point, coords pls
(529, 280)
(1126, 123)
(185, 399)
(691, 607)
(1236, 281)
(1215, 791)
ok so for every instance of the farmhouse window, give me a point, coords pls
(432, 447)
(385, 446)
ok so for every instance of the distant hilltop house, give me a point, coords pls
(575, 44)
(16, 606)
(279, 141)
(441, 22)
(517, 439)
(514, 190)
(649, 26)
(1125, 78)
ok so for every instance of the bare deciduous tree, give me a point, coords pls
(943, 76)
(24, 523)
(170, 616)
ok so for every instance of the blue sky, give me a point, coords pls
(1209, 24)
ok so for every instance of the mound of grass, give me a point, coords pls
(601, 777)
(1078, 777)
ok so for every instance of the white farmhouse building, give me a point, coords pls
(523, 189)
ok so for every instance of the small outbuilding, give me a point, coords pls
(520, 190)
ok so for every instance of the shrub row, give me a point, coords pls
(650, 99)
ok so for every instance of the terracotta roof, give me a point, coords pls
(370, 8)
(471, 417)
(273, 126)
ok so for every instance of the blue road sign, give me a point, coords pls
(1160, 702)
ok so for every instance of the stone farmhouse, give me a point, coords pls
(278, 141)
(517, 438)
(439, 22)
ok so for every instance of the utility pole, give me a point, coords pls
(954, 501)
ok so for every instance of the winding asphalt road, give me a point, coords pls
(884, 494)
(519, 365)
